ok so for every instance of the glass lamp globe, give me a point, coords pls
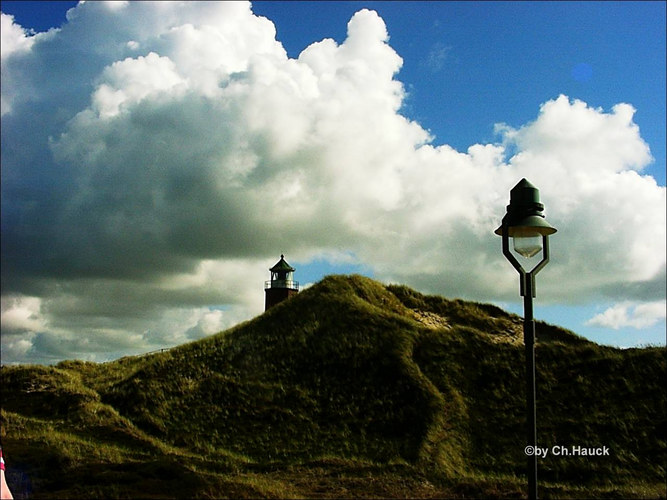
(527, 246)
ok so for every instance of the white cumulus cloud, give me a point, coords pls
(151, 176)
(13, 38)
(630, 314)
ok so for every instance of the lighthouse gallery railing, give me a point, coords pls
(294, 285)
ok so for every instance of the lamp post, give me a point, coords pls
(524, 222)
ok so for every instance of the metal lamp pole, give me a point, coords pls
(525, 223)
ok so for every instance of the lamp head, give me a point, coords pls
(525, 220)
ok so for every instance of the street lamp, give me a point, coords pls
(524, 222)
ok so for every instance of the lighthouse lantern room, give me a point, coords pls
(282, 285)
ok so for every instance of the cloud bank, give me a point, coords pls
(157, 156)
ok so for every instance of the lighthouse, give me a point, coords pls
(282, 285)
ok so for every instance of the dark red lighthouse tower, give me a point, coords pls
(282, 285)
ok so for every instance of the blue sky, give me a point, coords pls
(468, 65)
(411, 113)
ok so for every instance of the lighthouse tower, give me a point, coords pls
(282, 285)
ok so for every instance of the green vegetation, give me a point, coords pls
(349, 389)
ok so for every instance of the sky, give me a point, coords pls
(158, 157)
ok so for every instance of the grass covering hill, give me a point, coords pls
(349, 389)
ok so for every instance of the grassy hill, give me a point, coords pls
(349, 389)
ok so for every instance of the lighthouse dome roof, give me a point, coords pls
(282, 265)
